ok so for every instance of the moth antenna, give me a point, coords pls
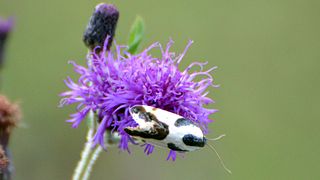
(217, 138)
(220, 159)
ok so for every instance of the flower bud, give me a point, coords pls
(102, 23)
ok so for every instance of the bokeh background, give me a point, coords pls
(268, 53)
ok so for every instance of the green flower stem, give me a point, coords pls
(94, 157)
(87, 151)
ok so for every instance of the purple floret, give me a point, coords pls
(6, 25)
(115, 81)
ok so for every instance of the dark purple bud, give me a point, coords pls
(102, 23)
(5, 28)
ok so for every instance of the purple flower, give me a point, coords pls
(6, 25)
(5, 28)
(115, 81)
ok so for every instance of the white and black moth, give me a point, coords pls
(169, 130)
(163, 128)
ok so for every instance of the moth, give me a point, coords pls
(166, 129)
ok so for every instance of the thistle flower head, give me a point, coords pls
(115, 81)
(9, 118)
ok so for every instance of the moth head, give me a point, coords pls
(140, 116)
(148, 124)
(137, 109)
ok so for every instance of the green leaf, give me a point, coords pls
(136, 34)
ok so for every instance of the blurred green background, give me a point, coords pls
(268, 53)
